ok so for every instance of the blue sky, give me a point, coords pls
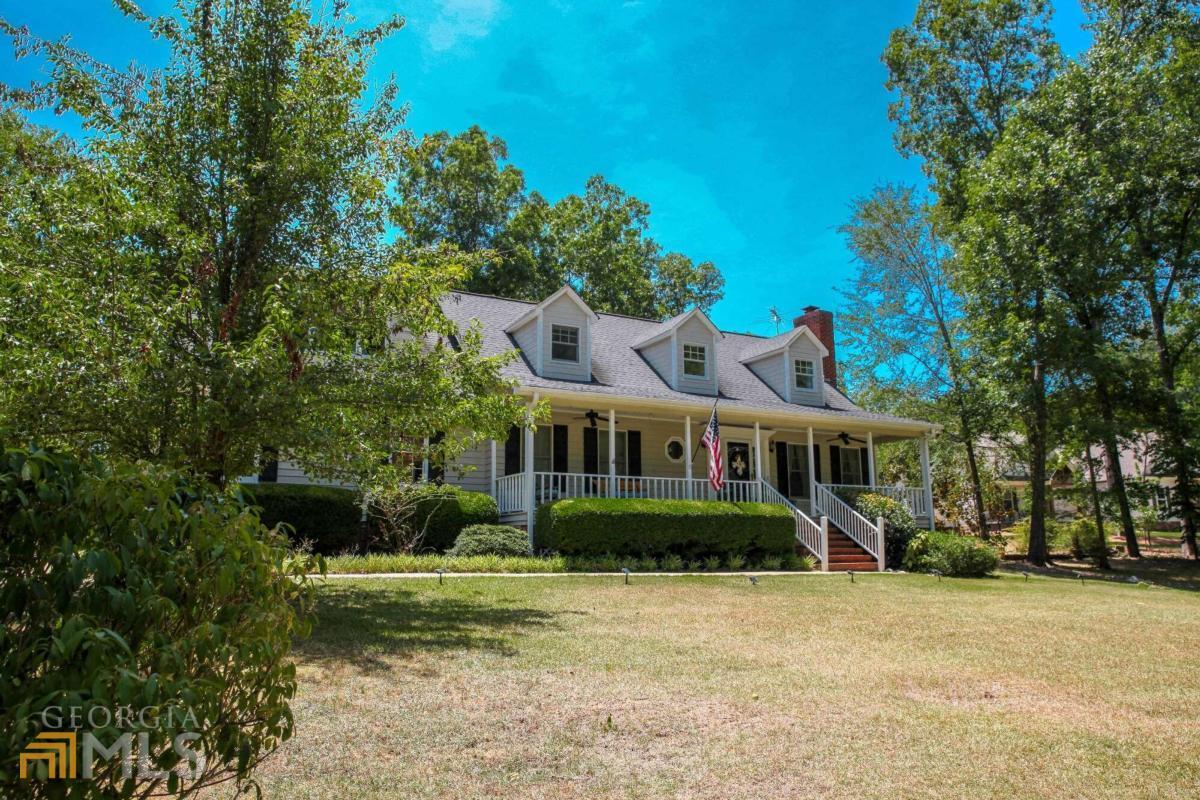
(748, 127)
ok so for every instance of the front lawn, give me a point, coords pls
(710, 687)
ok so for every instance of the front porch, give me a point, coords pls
(643, 453)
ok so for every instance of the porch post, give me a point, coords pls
(687, 454)
(425, 460)
(870, 460)
(925, 478)
(812, 473)
(494, 468)
(758, 462)
(529, 492)
(612, 453)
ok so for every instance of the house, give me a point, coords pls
(630, 399)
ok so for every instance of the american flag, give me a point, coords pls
(712, 440)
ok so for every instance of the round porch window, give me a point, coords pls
(675, 449)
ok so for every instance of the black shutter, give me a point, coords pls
(633, 451)
(437, 467)
(781, 469)
(591, 453)
(512, 451)
(866, 466)
(269, 472)
(559, 461)
(816, 465)
(835, 463)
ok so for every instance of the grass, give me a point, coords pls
(374, 564)
(709, 687)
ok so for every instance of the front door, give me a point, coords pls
(738, 457)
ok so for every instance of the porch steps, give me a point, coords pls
(845, 554)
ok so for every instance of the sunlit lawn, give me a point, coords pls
(808, 686)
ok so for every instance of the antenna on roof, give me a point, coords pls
(776, 317)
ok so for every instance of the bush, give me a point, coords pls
(131, 585)
(1085, 538)
(490, 540)
(442, 512)
(951, 554)
(325, 516)
(691, 529)
(899, 529)
(1078, 538)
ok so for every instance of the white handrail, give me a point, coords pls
(911, 496)
(866, 534)
(510, 493)
(808, 533)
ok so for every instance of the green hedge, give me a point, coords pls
(900, 526)
(443, 512)
(951, 554)
(687, 528)
(490, 540)
(328, 517)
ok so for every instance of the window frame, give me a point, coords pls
(853, 465)
(622, 461)
(797, 374)
(703, 361)
(555, 327)
(667, 450)
(797, 461)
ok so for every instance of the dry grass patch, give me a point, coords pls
(895, 686)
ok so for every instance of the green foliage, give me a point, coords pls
(951, 554)
(1078, 538)
(688, 528)
(490, 540)
(206, 275)
(134, 585)
(324, 519)
(900, 526)
(376, 563)
(441, 512)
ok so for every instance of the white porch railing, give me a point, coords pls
(808, 533)
(549, 486)
(866, 534)
(913, 497)
(510, 493)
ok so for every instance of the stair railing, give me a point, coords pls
(866, 534)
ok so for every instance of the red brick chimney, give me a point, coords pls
(821, 323)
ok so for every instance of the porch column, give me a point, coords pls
(425, 460)
(926, 481)
(758, 461)
(529, 492)
(870, 460)
(687, 455)
(612, 453)
(494, 468)
(812, 473)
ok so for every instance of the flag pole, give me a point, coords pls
(714, 408)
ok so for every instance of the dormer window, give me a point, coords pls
(564, 343)
(695, 360)
(805, 373)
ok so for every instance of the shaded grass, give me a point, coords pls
(708, 687)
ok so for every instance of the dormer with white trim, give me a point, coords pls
(683, 351)
(556, 336)
(791, 364)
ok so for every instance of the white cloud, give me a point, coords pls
(460, 20)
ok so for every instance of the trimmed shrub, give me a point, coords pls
(691, 529)
(951, 554)
(327, 517)
(490, 540)
(899, 528)
(132, 585)
(444, 511)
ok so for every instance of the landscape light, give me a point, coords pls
(850, 572)
(753, 580)
(938, 572)
(1026, 574)
(626, 571)
(440, 572)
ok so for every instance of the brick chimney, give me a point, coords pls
(821, 323)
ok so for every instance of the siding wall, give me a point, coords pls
(658, 356)
(770, 372)
(694, 332)
(564, 311)
(803, 348)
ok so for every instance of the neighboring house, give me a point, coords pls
(630, 399)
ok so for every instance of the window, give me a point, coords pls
(851, 466)
(622, 453)
(543, 449)
(674, 450)
(695, 360)
(564, 343)
(805, 372)
(797, 458)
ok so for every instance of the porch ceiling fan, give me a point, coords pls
(591, 415)
(846, 439)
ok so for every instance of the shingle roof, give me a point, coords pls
(618, 369)
(761, 347)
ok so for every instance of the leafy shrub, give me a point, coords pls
(133, 585)
(771, 563)
(328, 518)
(647, 564)
(672, 562)
(711, 564)
(899, 528)
(490, 540)
(1078, 538)
(1085, 538)
(428, 562)
(950, 554)
(443, 511)
(689, 528)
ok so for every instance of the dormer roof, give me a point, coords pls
(762, 348)
(531, 314)
(665, 329)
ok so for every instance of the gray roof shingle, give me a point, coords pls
(618, 369)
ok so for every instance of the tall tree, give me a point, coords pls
(209, 274)
(904, 323)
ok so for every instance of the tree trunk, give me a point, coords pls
(1102, 554)
(1116, 477)
(976, 483)
(1035, 436)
